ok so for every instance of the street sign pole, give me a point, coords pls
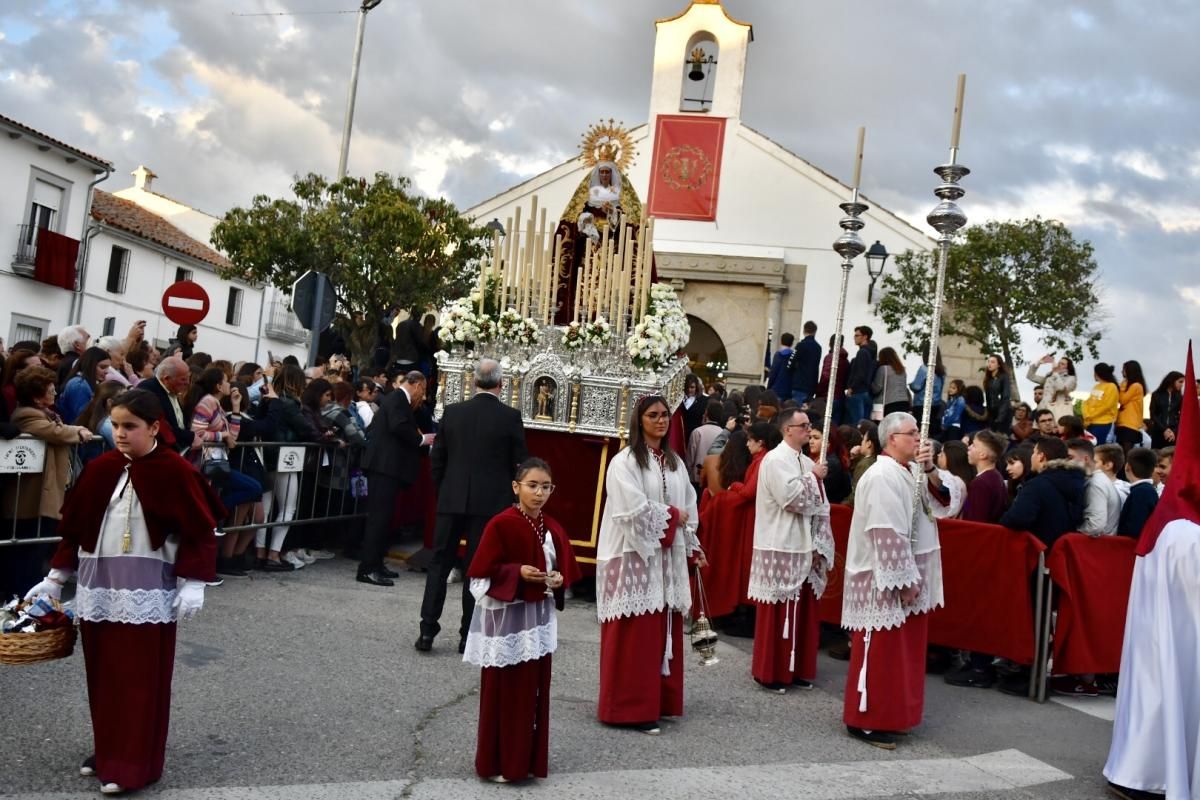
(318, 303)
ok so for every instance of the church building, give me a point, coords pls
(743, 228)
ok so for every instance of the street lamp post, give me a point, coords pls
(877, 256)
(348, 123)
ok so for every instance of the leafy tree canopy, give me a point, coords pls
(382, 244)
(1002, 277)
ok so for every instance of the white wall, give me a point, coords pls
(20, 160)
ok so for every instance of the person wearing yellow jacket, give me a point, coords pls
(1131, 418)
(1100, 409)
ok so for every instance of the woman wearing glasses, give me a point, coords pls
(647, 537)
(517, 577)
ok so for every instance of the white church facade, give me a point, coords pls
(762, 264)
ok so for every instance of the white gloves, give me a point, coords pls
(51, 585)
(188, 599)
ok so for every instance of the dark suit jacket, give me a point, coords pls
(1142, 500)
(805, 365)
(393, 440)
(479, 445)
(180, 436)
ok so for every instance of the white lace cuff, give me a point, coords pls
(894, 564)
(808, 497)
(645, 528)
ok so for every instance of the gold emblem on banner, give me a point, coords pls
(685, 168)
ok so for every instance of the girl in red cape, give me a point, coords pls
(137, 532)
(523, 562)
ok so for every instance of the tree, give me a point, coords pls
(1001, 278)
(382, 245)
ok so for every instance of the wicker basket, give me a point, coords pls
(34, 648)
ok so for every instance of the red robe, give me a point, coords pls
(727, 538)
(129, 667)
(514, 701)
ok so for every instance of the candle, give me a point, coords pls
(554, 267)
(862, 132)
(958, 107)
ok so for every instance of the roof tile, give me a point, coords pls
(128, 216)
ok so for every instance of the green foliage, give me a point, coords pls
(1002, 278)
(382, 245)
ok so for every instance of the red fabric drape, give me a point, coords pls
(727, 538)
(1092, 577)
(986, 573)
(55, 260)
(575, 461)
(417, 505)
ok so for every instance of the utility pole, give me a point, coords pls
(348, 124)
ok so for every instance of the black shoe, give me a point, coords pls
(270, 565)
(839, 650)
(1126, 793)
(1016, 684)
(388, 573)
(881, 739)
(462, 645)
(777, 688)
(424, 643)
(374, 578)
(230, 568)
(648, 728)
(800, 683)
(969, 676)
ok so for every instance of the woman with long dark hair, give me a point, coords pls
(185, 339)
(17, 360)
(975, 413)
(647, 536)
(997, 390)
(1018, 467)
(1165, 404)
(137, 530)
(290, 425)
(1101, 407)
(890, 384)
(86, 374)
(863, 456)
(1131, 395)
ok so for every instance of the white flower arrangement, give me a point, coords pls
(573, 337)
(597, 332)
(461, 324)
(515, 328)
(663, 331)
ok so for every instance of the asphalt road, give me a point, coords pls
(308, 686)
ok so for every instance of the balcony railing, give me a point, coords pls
(282, 324)
(26, 255)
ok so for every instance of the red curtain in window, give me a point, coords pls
(55, 260)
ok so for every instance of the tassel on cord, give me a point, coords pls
(792, 658)
(786, 618)
(667, 654)
(862, 674)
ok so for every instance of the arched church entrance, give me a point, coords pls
(706, 351)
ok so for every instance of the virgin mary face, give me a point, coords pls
(605, 176)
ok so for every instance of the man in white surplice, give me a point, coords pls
(793, 550)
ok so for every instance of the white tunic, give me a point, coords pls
(883, 556)
(506, 633)
(634, 573)
(1156, 733)
(793, 541)
(136, 587)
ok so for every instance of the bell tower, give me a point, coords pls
(699, 62)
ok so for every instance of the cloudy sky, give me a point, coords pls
(1085, 112)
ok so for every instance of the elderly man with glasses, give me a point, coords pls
(793, 551)
(893, 579)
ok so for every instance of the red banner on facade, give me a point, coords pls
(686, 170)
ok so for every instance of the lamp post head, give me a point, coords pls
(496, 226)
(367, 5)
(877, 256)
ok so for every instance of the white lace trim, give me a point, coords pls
(504, 634)
(647, 527)
(871, 602)
(133, 606)
(627, 586)
(776, 577)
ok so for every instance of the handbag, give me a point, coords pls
(214, 465)
(877, 408)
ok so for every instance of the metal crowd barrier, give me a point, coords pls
(326, 488)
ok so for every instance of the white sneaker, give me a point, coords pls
(322, 555)
(112, 788)
(306, 556)
(295, 560)
(455, 576)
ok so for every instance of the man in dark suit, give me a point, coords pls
(804, 366)
(391, 463)
(480, 444)
(171, 379)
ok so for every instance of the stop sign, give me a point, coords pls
(185, 303)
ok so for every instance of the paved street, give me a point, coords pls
(307, 686)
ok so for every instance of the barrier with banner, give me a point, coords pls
(1092, 577)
